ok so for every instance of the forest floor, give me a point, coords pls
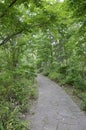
(55, 109)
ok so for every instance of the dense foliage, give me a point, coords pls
(44, 35)
(17, 61)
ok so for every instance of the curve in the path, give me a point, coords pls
(55, 110)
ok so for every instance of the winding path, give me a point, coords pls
(55, 110)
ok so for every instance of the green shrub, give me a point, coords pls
(15, 94)
(10, 117)
(80, 84)
(53, 75)
(84, 102)
(45, 72)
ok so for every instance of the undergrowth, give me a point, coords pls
(15, 99)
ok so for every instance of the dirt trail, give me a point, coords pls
(55, 110)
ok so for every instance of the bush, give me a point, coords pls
(80, 84)
(15, 96)
(84, 102)
(10, 117)
(53, 75)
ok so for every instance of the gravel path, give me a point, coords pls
(55, 110)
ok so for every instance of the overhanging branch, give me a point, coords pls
(9, 37)
(10, 5)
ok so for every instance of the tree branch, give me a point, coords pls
(9, 37)
(12, 3)
(5, 11)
